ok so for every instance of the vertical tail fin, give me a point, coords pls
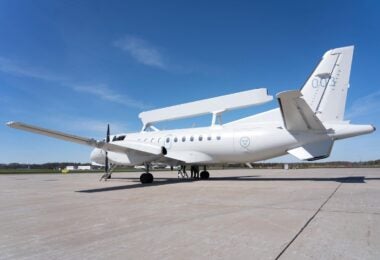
(326, 89)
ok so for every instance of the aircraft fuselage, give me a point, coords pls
(233, 144)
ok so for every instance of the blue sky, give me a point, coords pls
(77, 65)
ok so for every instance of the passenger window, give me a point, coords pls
(175, 139)
(191, 138)
(184, 139)
(218, 137)
(209, 138)
(168, 139)
(200, 138)
(145, 140)
(152, 140)
(159, 140)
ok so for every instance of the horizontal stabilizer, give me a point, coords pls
(119, 148)
(207, 106)
(313, 151)
(296, 114)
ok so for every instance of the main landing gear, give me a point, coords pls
(204, 174)
(146, 177)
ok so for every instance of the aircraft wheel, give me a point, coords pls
(205, 175)
(146, 178)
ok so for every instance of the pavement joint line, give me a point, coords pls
(351, 212)
(307, 222)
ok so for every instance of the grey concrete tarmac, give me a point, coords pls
(237, 214)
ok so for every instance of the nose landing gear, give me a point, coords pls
(146, 177)
(107, 175)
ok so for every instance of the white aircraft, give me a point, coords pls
(305, 125)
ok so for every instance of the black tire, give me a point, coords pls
(205, 175)
(146, 178)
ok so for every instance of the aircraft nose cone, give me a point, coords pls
(97, 156)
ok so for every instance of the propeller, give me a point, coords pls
(106, 174)
(106, 158)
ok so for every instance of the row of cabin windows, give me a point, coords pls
(200, 138)
(175, 139)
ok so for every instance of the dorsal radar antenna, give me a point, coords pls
(215, 106)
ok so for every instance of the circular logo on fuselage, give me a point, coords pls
(245, 141)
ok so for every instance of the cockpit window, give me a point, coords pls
(118, 138)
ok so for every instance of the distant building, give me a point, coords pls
(78, 167)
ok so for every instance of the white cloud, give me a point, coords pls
(87, 127)
(100, 90)
(364, 106)
(142, 51)
(15, 68)
(104, 92)
(97, 126)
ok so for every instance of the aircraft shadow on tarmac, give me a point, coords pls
(166, 181)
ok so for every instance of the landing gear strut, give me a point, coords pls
(204, 174)
(146, 177)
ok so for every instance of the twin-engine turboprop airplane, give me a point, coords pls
(306, 124)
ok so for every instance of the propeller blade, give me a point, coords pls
(106, 157)
(106, 163)
(108, 133)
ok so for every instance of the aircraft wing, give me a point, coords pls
(119, 148)
(189, 156)
(297, 114)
